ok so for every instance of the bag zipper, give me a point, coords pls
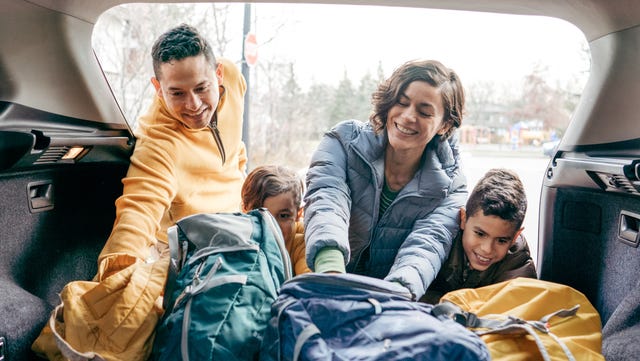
(208, 251)
(337, 280)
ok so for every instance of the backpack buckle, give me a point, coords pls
(2, 348)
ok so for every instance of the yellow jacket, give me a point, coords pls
(111, 319)
(176, 172)
(297, 251)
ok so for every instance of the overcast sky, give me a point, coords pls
(325, 40)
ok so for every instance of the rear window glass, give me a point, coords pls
(312, 66)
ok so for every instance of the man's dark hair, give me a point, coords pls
(499, 193)
(178, 43)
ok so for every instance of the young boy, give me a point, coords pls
(279, 189)
(489, 247)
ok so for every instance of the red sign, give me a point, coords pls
(251, 49)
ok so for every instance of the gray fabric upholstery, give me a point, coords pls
(622, 331)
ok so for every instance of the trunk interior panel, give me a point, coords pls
(45, 247)
(588, 253)
(589, 231)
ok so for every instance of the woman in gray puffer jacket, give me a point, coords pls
(383, 197)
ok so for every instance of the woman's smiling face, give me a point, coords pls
(416, 118)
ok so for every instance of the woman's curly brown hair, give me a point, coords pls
(430, 71)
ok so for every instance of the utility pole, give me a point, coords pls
(245, 73)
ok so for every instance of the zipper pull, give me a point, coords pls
(213, 126)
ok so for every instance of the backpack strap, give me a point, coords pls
(508, 325)
(279, 321)
(517, 328)
(275, 229)
(175, 264)
(308, 331)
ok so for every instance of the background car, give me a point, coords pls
(549, 148)
(65, 146)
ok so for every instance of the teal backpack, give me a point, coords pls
(226, 270)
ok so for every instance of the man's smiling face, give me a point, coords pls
(190, 88)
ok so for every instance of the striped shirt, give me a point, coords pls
(386, 198)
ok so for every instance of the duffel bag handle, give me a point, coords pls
(507, 325)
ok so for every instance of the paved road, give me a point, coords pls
(530, 165)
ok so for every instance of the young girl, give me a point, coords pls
(279, 189)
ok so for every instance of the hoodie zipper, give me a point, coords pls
(213, 126)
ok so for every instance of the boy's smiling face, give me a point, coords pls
(486, 239)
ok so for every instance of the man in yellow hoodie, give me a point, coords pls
(189, 157)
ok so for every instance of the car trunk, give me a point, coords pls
(42, 250)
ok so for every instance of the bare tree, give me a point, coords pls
(540, 101)
(220, 16)
(132, 29)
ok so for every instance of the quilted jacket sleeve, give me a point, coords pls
(328, 199)
(426, 248)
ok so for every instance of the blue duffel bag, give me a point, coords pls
(352, 317)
